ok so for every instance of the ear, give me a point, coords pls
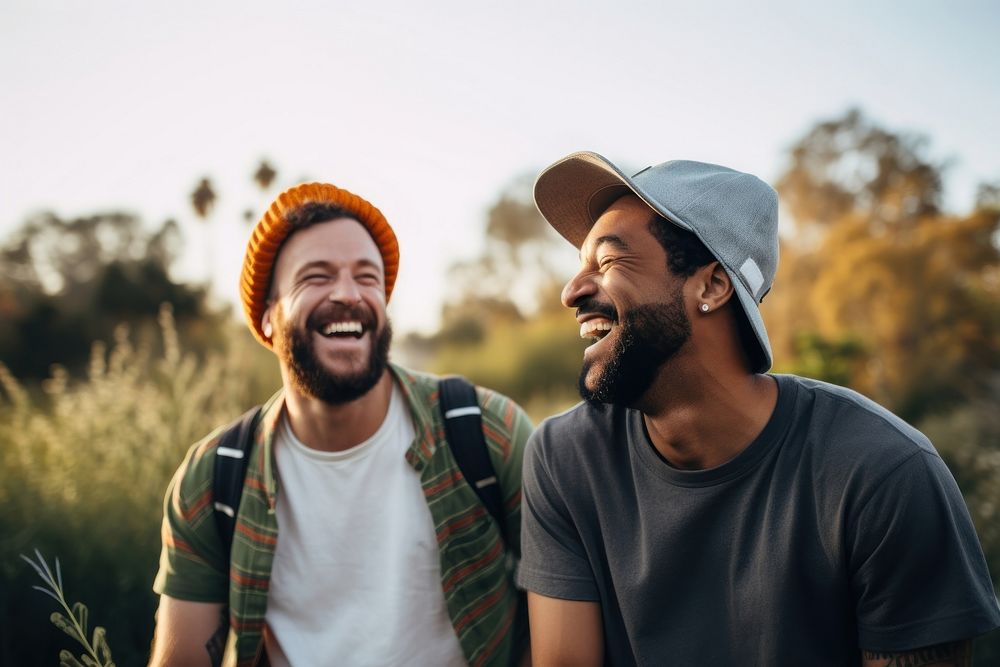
(265, 323)
(713, 287)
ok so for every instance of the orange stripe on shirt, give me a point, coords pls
(254, 535)
(497, 438)
(498, 637)
(260, 583)
(473, 566)
(252, 625)
(172, 541)
(513, 502)
(255, 482)
(199, 503)
(442, 485)
(481, 608)
(460, 523)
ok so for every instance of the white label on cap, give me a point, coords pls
(751, 272)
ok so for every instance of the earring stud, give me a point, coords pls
(704, 307)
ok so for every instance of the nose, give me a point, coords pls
(345, 290)
(579, 286)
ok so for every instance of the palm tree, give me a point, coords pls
(203, 198)
(264, 175)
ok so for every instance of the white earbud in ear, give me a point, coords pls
(266, 327)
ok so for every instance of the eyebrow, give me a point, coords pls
(324, 264)
(613, 240)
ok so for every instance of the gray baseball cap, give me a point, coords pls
(734, 214)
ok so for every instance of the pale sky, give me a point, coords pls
(429, 108)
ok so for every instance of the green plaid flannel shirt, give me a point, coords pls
(487, 612)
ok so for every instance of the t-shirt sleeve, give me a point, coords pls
(193, 566)
(918, 573)
(553, 560)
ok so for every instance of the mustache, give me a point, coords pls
(591, 306)
(329, 311)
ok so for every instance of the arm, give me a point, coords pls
(565, 632)
(188, 633)
(191, 623)
(564, 611)
(952, 654)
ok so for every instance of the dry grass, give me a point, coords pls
(84, 468)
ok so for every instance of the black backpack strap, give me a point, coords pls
(231, 458)
(463, 426)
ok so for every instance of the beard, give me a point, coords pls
(306, 372)
(647, 337)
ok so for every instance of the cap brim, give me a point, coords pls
(573, 192)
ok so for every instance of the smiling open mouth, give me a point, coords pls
(353, 329)
(596, 329)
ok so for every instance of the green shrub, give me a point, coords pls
(85, 465)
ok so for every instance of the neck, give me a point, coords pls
(333, 428)
(700, 419)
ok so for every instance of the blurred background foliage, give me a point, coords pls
(111, 368)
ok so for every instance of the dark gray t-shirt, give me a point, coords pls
(839, 527)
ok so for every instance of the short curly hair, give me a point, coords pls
(685, 255)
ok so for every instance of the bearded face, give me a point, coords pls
(641, 340)
(296, 347)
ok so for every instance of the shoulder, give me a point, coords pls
(498, 410)
(583, 418)
(188, 508)
(587, 434)
(847, 419)
(853, 447)
(581, 459)
(422, 386)
(195, 474)
(196, 470)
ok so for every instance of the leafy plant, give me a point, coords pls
(97, 653)
(85, 462)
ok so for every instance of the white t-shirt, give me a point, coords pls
(356, 576)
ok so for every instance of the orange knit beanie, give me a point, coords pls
(272, 229)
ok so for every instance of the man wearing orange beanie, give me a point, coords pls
(385, 555)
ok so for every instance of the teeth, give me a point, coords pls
(591, 328)
(342, 327)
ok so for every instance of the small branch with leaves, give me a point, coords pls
(73, 622)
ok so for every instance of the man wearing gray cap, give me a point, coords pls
(695, 510)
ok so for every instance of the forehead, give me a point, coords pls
(627, 218)
(342, 241)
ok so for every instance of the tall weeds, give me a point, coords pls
(84, 467)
